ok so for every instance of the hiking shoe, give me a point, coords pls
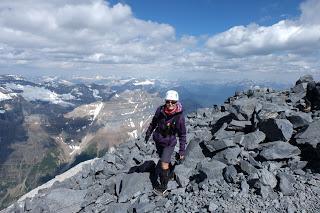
(160, 191)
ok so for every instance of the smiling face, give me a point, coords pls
(171, 104)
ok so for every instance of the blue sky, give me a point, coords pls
(274, 40)
(207, 17)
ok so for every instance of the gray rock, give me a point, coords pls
(133, 183)
(212, 168)
(118, 207)
(277, 129)
(300, 88)
(183, 174)
(295, 164)
(244, 187)
(299, 119)
(65, 200)
(279, 100)
(267, 178)
(245, 107)
(109, 158)
(193, 153)
(265, 115)
(279, 150)
(230, 174)
(296, 97)
(144, 207)
(304, 79)
(239, 125)
(222, 133)
(219, 144)
(250, 141)
(253, 162)
(286, 182)
(213, 207)
(247, 167)
(310, 135)
(228, 156)
(105, 199)
(266, 191)
(204, 134)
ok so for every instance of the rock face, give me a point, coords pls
(248, 157)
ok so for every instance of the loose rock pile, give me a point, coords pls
(256, 153)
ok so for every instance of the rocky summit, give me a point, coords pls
(256, 153)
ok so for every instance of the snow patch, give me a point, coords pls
(111, 149)
(133, 134)
(147, 82)
(95, 94)
(131, 123)
(31, 93)
(5, 96)
(74, 148)
(96, 111)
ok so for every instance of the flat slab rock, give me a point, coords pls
(279, 150)
(65, 200)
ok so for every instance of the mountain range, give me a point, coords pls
(50, 124)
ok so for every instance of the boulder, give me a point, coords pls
(183, 174)
(239, 125)
(228, 156)
(219, 144)
(251, 141)
(299, 119)
(266, 191)
(222, 133)
(194, 151)
(296, 97)
(64, 200)
(286, 182)
(247, 167)
(230, 174)
(203, 133)
(276, 129)
(304, 79)
(310, 135)
(132, 184)
(244, 187)
(300, 88)
(279, 150)
(244, 108)
(267, 178)
(212, 168)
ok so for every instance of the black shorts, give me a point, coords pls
(164, 152)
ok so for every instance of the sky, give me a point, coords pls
(196, 39)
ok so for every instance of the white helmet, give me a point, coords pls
(172, 95)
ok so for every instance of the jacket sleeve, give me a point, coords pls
(182, 133)
(153, 123)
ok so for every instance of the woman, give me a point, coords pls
(168, 122)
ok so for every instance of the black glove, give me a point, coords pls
(147, 138)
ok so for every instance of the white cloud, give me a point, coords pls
(286, 36)
(92, 36)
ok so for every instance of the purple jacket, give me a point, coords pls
(167, 127)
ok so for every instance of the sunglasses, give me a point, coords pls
(170, 102)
